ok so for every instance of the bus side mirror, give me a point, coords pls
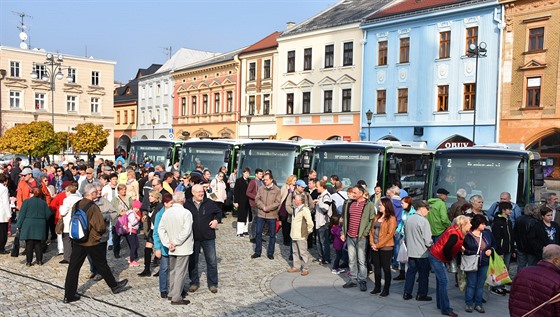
(538, 176)
(169, 154)
(227, 156)
(303, 160)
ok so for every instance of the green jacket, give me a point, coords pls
(368, 214)
(437, 217)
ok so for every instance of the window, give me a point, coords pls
(229, 101)
(158, 90)
(150, 91)
(402, 100)
(132, 116)
(348, 54)
(216, 103)
(72, 75)
(183, 106)
(41, 71)
(165, 88)
(329, 56)
(266, 105)
(143, 92)
(252, 69)
(443, 98)
(14, 69)
(205, 104)
(251, 105)
(266, 70)
(307, 58)
(193, 105)
(118, 117)
(306, 106)
(158, 116)
(15, 99)
(469, 97)
(404, 50)
(95, 78)
(71, 103)
(95, 108)
(444, 44)
(533, 92)
(327, 101)
(143, 117)
(125, 117)
(165, 115)
(382, 53)
(290, 103)
(536, 39)
(40, 101)
(291, 61)
(346, 100)
(472, 38)
(381, 101)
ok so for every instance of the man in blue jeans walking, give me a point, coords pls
(268, 203)
(205, 220)
(418, 243)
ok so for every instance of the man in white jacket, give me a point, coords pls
(175, 232)
(5, 213)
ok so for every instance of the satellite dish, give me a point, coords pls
(23, 45)
(23, 36)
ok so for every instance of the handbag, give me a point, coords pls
(15, 247)
(469, 263)
(278, 225)
(59, 228)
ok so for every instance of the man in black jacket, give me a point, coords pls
(525, 224)
(205, 220)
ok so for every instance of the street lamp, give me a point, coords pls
(369, 114)
(2, 76)
(49, 75)
(248, 118)
(476, 51)
(154, 128)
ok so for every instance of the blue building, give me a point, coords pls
(419, 81)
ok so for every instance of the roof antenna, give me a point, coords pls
(22, 28)
(168, 51)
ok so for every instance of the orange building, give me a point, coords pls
(530, 112)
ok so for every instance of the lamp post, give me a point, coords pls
(369, 114)
(2, 76)
(154, 128)
(49, 75)
(249, 118)
(476, 51)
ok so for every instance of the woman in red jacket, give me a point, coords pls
(443, 251)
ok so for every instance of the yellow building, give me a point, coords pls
(82, 91)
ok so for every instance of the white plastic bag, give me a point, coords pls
(402, 256)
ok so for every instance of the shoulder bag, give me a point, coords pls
(469, 263)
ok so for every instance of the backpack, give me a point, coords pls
(121, 226)
(79, 224)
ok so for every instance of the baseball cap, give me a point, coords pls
(26, 171)
(301, 183)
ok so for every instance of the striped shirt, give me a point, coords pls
(355, 216)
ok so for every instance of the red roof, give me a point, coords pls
(410, 5)
(266, 43)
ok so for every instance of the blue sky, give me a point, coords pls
(134, 33)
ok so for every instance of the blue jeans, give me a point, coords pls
(323, 243)
(357, 258)
(164, 274)
(209, 249)
(441, 285)
(271, 235)
(475, 285)
(422, 267)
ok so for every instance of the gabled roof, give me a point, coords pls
(184, 57)
(229, 56)
(120, 92)
(266, 43)
(147, 71)
(415, 7)
(341, 13)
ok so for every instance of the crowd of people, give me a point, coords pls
(178, 214)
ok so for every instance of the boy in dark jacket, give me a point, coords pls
(502, 230)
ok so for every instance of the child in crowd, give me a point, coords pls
(338, 244)
(134, 217)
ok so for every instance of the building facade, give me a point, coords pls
(318, 81)
(206, 103)
(82, 95)
(421, 83)
(530, 109)
(258, 65)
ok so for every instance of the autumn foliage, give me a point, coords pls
(89, 138)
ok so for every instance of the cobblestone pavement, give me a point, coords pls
(248, 287)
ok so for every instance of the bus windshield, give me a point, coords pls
(482, 175)
(209, 156)
(156, 153)
(349, 165)
(279, 160)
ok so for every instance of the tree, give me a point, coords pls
(89, 138)
(35, 139)
(62, 140)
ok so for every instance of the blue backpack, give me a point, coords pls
(79, 224)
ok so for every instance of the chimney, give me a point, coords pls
(290, 25)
